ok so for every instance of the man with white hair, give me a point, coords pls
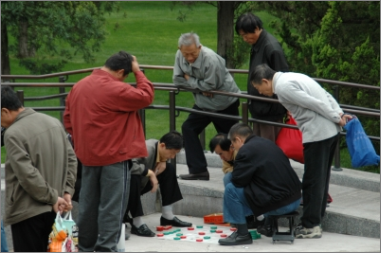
(199, 67)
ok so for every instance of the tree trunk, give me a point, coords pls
(23, 40)
(225, 30)
(5, 65)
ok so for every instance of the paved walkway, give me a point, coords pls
(330, 242)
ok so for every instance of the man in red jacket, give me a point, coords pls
(102, 117)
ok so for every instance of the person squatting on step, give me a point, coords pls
(263, 183)
(156, 169)
(320, 118)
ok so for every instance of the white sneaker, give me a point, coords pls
(302, 232)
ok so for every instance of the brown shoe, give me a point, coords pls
(198, 176)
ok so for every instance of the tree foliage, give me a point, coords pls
(333, 40)
(48, 29)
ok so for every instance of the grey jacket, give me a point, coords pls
(40, 165)
(314, 109)
(140, 166)
(207, 73)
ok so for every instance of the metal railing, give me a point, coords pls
(175, 110)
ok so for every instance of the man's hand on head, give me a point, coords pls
(135, 65)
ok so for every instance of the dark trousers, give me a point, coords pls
(267, 131)
(169, 189)
(318, 157)
(31, 235)
(192, 128)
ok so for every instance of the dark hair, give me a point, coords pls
(240, 129)
(9, 99)
(121, 60)
(248, 22)
(172, 140)
(220, 139)
(261, 71)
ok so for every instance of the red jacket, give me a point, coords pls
(102, 116)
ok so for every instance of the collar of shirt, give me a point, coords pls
(275, 79)
(260, 41)
(197, 62)
(158, 157)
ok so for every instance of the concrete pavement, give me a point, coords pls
(330, 242)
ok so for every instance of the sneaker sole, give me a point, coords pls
(309, 236)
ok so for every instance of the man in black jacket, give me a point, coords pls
(265, 48)
(263, 183)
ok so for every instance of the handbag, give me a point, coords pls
(291, 142)
(359, 145)
(64, 235)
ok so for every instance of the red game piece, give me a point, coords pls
(199, 240)
(223, 235)
(160, 235)
(159, 228)
(219, 231)
(201, 233)
(233, 229)
(191, 228)
(183, 236)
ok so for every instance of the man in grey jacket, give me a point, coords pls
(40, 171)
(198, 67)
(156, 169)
(320, 118)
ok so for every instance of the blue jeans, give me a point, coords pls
(236, 207)
(227, 178)
(4, 245)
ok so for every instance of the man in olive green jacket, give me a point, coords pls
(40, 172)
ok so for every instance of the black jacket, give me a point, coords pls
(266, 50)
(265, 172)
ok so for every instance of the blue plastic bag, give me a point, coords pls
(360, 147)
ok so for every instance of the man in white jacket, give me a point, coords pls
(320, 118)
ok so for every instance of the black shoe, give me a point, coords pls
(198, 176)
(236, 239)
(176, 222)
(266, 228)
(143, 230)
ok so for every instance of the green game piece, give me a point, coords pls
(212, 231)
(179, 234)
(199, 226)
(213, 227)
(206, 237)
(167, 233)
(177, 238)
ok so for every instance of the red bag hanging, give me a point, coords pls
(290, 141)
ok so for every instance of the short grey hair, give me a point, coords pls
(188, 39)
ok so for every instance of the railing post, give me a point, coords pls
(337, 166)
(172, 118)
(20, 95)
(245, 115)
(142, 113)
(62, 79)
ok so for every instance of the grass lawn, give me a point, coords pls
(150, 31)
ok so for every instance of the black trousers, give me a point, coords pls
(318, 157)
(31, 235)
(169, 189)
(192, 128)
